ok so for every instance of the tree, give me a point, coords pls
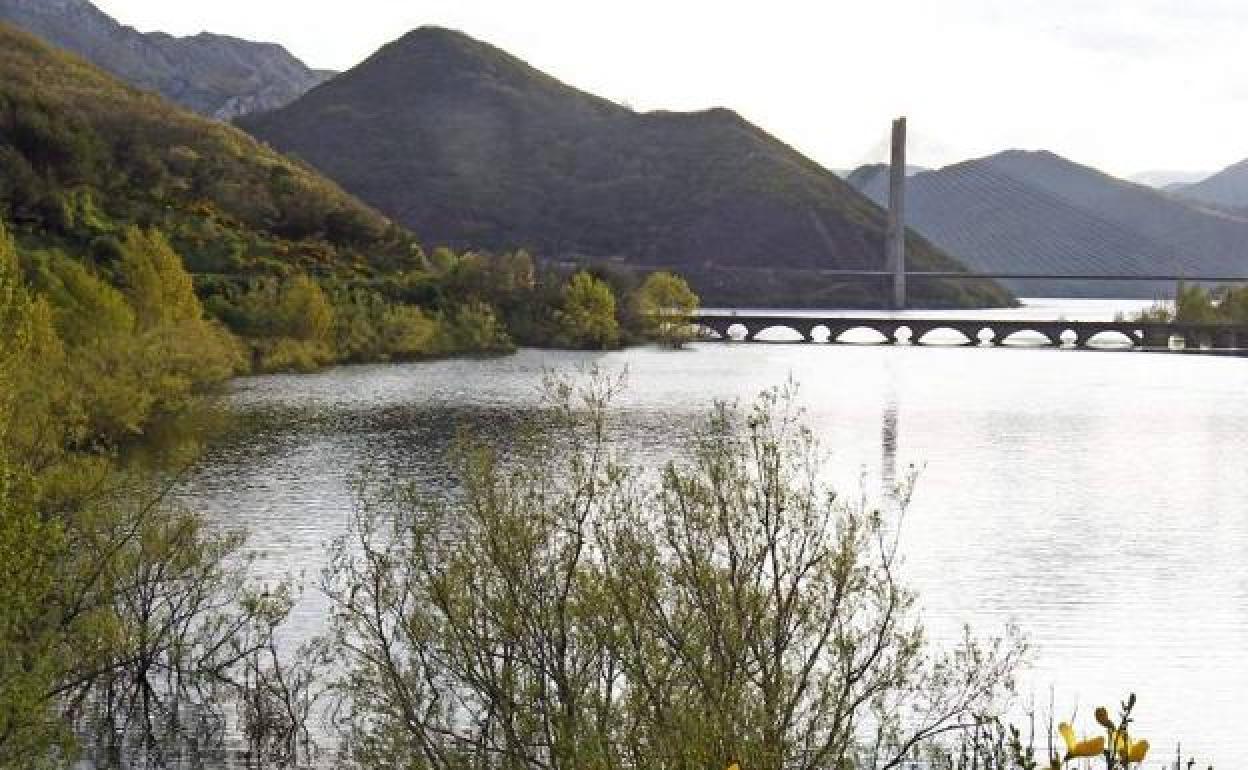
(666, 304)
(587, 317)
(29, 660)
(473, 327)
(304, 312)
(82, 547)
(158, 286)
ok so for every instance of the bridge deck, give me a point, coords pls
(1058, 333)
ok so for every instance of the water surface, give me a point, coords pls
(1099, 499)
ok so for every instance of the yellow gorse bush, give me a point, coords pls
(1121, 751)
(1079, 749)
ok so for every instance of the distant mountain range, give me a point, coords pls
(472, 148)
(1227, 188)
(214, 75)
(1038, 212)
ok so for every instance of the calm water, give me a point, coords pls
(1098, 499)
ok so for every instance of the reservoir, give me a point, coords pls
(1097, 499)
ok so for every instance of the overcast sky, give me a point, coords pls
(1126, 85)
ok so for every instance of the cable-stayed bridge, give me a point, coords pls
(1035, 220)
(1070, 210)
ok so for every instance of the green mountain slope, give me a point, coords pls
(470, 147)
(82, 155)
(96, 178)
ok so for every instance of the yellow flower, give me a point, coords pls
(734, 766)
(1137, 752)
(1076, 749)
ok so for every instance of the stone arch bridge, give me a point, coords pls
(1075, 334)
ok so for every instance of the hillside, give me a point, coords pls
(82, 155)
(1037, 212)
(470, 147)
(1227, 188)
(97, 178)
(214, 75)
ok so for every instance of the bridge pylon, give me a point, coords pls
(895, 240)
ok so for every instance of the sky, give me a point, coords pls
(1124, 85)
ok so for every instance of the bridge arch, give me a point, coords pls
(1110, 339)
(1026, 337)
(924, 337)
(860, 334)
(780, 332)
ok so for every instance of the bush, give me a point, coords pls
(585, 614)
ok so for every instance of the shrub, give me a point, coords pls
(565, 611)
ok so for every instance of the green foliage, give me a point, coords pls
(1225, 304)
(1198, 305)
(157, 285)
(473, 326)
(587, 317)
(83, 157)
(666, 304)
(118, 612)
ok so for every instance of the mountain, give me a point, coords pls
(83, 156)
(214, 75)
(1038, 212)
(1227, 188)
(472, 148)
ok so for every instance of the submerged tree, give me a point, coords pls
(567, 611)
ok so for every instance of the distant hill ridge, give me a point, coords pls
(473, 148)
(1021, 211)
(215, 75)
(1227, 188)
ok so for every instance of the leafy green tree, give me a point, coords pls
(406, 332)
(158, 286)
(666, 304)
(1233, 304)
(1192, 304)
(29, 665)
(587, 317)
(88, 308)
(304, 312)
(119, 614)
(474, 327)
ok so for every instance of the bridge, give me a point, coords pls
(1139, 335)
